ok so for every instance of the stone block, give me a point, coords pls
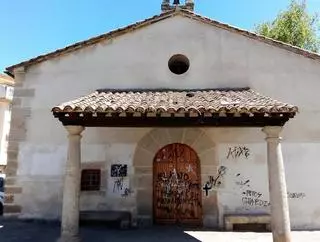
(143, 157)
(144, 202)
(24, 92)
(17, 134)
(11, 181)
(10, 171)
(13, 146)
(19, 112)
(149, 144)
(8, 198)
(210, 221)
(13, 164)
(230, 220)
(161, 137)
(209, 157)
(203, 143)
(145, 182)
(12, 155)
(18, 123)
(191, 135)
(209, 204)
(13, 189)
(11, 208)
(145, 170)
(175, 135)
(208, 170)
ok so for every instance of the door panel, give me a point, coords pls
(177, 193)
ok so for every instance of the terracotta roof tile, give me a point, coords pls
(154, 19)
(243, 100)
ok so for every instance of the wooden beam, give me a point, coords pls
(88, 120)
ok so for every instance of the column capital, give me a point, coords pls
(272, 132)
(74, 130)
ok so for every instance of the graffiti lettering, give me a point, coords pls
(242, 182)
(238, 151)
(253, 199)
(215, 181)
(126, 193)
(119, 170)
(118, 184)
(250, 193)
(177, 192)
(296, 195)
(254, 202)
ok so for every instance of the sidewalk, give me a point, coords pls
(17, 231)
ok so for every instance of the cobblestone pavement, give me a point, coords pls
(15, 231)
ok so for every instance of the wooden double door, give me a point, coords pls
(177, 186)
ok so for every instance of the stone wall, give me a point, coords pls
(20, 112)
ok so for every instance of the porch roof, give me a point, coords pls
(209, 107)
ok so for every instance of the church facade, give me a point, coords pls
(176, 119)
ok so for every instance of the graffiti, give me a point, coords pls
(127, 192)
(253, 199)
(118, 184)
(254, 202)
(250, 193)
(177, 192)
(215, 182)
(242, 182)
(238, 151)
(190, 169)
(119, 170)
(296, 195)
(173, 176)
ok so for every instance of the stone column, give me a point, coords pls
(280, 220)
(71, 191)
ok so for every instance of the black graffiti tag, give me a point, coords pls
(214, 181)
(238, 151)
(127, 192)
(296, 195)
(118, 184)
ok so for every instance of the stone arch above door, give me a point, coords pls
(145, 152)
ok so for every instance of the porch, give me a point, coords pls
(191, 108)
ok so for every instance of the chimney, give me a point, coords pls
(166, 6)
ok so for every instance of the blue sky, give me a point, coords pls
(33, 27)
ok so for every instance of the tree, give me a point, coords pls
(294, 26)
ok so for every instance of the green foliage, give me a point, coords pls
(294, 26)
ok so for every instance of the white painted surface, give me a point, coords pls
(218, 58)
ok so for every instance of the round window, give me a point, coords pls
(179, 64)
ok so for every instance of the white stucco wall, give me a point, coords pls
(218, 58)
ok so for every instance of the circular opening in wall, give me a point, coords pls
(179, 64)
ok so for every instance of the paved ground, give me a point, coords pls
(13, 231)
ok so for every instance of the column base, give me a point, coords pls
(281, 238)
(68, 238)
